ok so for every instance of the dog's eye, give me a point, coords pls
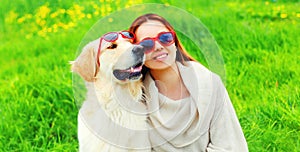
(112, 46)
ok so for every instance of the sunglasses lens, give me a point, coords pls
(147, 44)
(110, 37)
(166, 38)
(128, 35)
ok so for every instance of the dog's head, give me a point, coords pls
(118, 60)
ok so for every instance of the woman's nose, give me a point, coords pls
(158, 46)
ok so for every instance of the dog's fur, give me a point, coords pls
(107, 97)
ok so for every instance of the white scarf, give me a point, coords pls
(185, 127)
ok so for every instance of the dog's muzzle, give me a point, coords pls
(138, 52)
(133, 72)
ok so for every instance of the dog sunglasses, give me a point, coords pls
(164, 38)
(112, 37)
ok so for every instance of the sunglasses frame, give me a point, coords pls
(158, 40)
(121, 33)
(112, 40)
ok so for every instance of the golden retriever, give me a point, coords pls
(112, 117)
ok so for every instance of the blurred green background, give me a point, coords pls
(259, 42)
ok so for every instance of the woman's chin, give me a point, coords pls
(159, 65)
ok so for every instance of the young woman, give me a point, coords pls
(189, 108)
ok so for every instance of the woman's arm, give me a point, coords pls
(225, 131)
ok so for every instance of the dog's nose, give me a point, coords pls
(138, 51)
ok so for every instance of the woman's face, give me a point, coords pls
(162, 56)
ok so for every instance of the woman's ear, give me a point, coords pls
(85, 64)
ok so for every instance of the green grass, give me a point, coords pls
(259, 41)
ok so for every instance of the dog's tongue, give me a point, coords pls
(128, 73)
(137, 69)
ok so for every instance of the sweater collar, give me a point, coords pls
(197, 80)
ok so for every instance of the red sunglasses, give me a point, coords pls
(164, 38)
(112, 37)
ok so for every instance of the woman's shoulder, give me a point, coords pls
(198, 67)
(200, 70)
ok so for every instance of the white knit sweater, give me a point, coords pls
(206, 121)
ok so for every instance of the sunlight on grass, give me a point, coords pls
(47, 20)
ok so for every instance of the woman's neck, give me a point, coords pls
(169, 75)
(169, 82)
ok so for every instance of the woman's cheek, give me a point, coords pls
(172, 51)
(148, 57)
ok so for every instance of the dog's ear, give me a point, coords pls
(85, 64)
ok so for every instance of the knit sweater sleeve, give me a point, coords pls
(225, 132)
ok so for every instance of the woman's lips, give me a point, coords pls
(160, 56)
